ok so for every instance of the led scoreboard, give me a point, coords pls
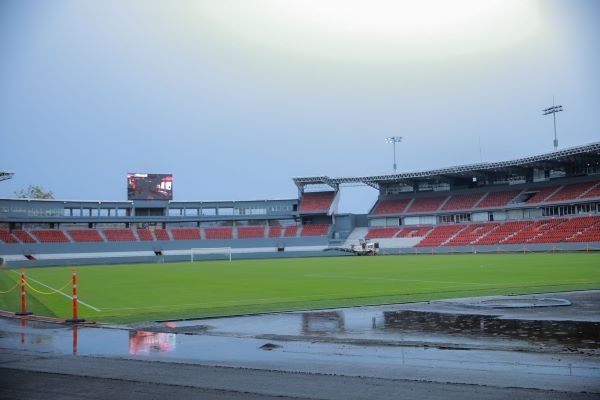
(149, 187)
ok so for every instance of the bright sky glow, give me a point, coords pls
(317, 27)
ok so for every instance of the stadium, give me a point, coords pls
(546, 202)
(496, 258)
(278, 274)
(197, 200)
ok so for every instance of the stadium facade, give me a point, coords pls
(544, 202)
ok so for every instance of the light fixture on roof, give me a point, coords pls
(394, 140)
(553, 110)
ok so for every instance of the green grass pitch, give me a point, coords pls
(142, 292)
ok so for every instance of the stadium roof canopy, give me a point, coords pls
(578, 156)
(5, 175)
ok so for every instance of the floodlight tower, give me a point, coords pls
(394, 140)
(553, 110)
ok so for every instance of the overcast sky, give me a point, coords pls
(234, 98)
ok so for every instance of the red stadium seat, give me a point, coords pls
(218, 233)
(571, 192)
(316, 201)
(145, 234)
(439, 235)
(462, 201)
(275, 231)
(7, 237)
(588, 230)
(24, 236)
(414, 231)
(249, 232)
(119, 235)
(502, 232)
(498, 199)
(185, 233)
(161, 234)
(426, 204)
(471, 234)
(381, 233)
(315, 230)
(390, 206)
(541, 195)
(50, 236)
(593, 192)
(85, 235)
(290, 231)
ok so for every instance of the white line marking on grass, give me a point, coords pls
(59, 292)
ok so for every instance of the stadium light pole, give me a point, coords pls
(553, 110)
(394, 140)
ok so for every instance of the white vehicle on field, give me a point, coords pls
(365, 248)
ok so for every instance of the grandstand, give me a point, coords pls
(548, 201)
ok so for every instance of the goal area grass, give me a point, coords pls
(143, 292)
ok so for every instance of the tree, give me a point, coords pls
(34, 192)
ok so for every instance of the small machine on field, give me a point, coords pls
(365, 248)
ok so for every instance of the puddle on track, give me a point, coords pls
(397, 339)
(295, 355)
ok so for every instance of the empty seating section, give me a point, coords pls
(185, 233)
(414, 231)
(531, 231)
(85, 235)
(119, 235)
(315, 230)
(275, 231)
(161, 234)
(570, 192)
(390, 206)
(565, 229)
(544, 231)
(145, 235)
(439, 235)
(502, 232)
(381, 233)
(50, 236)
(23, 236)
(290, 231)
(594, 192)
(541, 195)
(316, 201)
(558, 231)
(587, 231)
(498, 199)
(249, 232)
(7, 237)
(470, 234)
(218, 233)
(425, 204)
(462, 201)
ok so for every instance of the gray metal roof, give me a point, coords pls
(553, 158)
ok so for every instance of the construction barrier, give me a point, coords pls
(75, 318)
(23, 297)
(25, 284)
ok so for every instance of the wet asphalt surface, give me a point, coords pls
(451, 349)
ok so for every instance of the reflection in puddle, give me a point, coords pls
(143, 342)
(322, 322)
(582, 333)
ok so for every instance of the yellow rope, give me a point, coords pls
(11, 289)
(47, 293)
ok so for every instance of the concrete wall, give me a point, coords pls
(49, 248)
